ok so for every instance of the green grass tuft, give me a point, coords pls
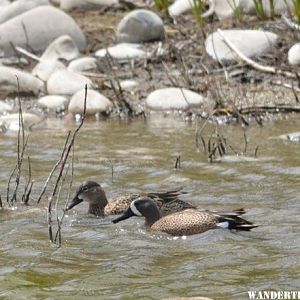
(198, 8)
(296, 5)
(162, 5)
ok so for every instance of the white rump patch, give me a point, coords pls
(134, 209)
(223, 224)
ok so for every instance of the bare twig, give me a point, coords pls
(66, 152)
(21, 146)
(178, 162)
(27, 53)
(290, 23)
(57, 238)
(28, 185)
(246, 143)
(54, 168)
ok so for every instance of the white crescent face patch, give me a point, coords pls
(134, 209)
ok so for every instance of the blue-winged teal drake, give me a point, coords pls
(94, 194)
(186, 222)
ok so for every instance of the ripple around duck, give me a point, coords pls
(101, 260)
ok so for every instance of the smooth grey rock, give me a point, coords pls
(62, 47)
(249, 42)
(18, 7)
(27, 82)
(140, 26)
(4, 2)
(53, 102)
(83, 64)
(65, 82)
(173, 99)
(44, 69)
(123, 52)
(43, 25)
(12, 121)
(293, 137)
(4, 107)
(95, 102)
(85, 4)
(294, 55)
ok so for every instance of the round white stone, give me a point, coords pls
(173, 99)
(65, 82)
(83, 64)
(294, 55)
(9, 78)
(53, 102)
(95, 102)
(249, 42)
(123, 52)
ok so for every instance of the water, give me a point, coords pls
(100, 260)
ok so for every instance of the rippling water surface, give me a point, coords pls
(99, 260)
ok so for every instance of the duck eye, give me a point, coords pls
(85, 188)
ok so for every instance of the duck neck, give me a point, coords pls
(97, 206)
(152, 217)
(96, 209)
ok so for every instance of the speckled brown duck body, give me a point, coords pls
(187, 222)
(94, 194)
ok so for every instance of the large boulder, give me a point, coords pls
(38, 27)
(140, 26)
(28, 84)
(95, 103)
(19, 7)
(85, 4)
(173, 99)
(249, 42)
(65, 82)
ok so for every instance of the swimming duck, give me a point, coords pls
(94, 194)
(186, 222)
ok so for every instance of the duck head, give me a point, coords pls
(92, 193)
(141, 207)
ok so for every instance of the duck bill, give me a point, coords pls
(74, 202)
(126, 215)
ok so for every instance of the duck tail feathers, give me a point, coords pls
(236, 223)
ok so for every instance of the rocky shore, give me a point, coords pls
(231, 62)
